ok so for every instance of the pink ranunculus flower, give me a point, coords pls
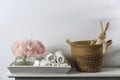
(28, 47)
(38, 47)
(17, 49)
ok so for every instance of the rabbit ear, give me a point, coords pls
(107, 25)
(101, 25)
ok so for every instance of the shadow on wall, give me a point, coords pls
(112, 57)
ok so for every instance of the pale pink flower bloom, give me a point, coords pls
(17, 49)
(28, 47)
(38, 47)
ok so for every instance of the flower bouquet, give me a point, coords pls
(26, 49)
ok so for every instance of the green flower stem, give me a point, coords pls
(16, 58)
(24, 60)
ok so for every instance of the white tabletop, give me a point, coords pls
(106, 72)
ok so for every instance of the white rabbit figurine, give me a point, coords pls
(101, 37)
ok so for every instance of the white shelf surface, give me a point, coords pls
(106, 72)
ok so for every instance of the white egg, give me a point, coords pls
(44, 62)
(36, 63)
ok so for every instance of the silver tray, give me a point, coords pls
(38, 69)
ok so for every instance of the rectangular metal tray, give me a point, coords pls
(38, 69)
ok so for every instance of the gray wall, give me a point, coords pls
(52, 21)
